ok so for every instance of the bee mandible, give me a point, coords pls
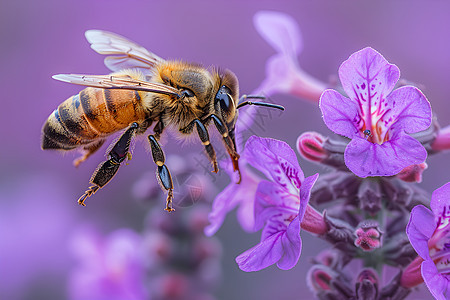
(142, 91)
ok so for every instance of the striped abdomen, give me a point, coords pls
(92, 114)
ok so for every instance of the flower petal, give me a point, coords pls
(365, 159)
(305, 193)
(280, 31)
(406, 109)
(262, 255)
(440, 200)
(242, 195)
(276, 160)
(292, 245)
(272, 200)
(340, 114)
(367, 77)
(420, 228)
(438, 285)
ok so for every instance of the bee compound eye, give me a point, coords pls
(224, 98)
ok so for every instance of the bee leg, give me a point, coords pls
(204, 137)
(107, 169)
(228, 139)
(89, 150)
(164, 178)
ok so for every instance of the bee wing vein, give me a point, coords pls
(122, 52)
(117, 82)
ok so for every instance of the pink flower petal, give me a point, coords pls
(420, 228)
(368, 159)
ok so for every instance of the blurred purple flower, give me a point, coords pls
(376, 119)
(429, 234)
(283, 73)
(109, 267)
(280, 205)
(37, 213)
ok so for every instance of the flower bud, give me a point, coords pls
(340, 234)
(368, 235)
(369, 195)
(412, 173)
(398, 250)
(398, 192)
(367, 285)
(326, 283)
(310, 146)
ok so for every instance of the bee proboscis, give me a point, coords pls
(144, 90)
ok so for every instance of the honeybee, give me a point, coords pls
(142, 91)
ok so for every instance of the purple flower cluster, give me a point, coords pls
(369, 195)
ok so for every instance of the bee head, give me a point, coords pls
(226, 98)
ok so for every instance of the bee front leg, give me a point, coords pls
(228, 141)
(164, 177)
(204, 137)
(107, 169)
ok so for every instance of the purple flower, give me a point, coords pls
(109, 268)
(280, 205)
(376, 118)
(429, 234)
(283, 73)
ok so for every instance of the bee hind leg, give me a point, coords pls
(88, 151)
(107, 169)
(163, 174)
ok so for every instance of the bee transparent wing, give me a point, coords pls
(124, 82)
(122, 53)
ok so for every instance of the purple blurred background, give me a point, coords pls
(38, 190)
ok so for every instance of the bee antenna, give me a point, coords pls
(260, 104)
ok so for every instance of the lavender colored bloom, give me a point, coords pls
(429, 234)
(280, 205)
(109, 267)
(376, 118)
(283, 73)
